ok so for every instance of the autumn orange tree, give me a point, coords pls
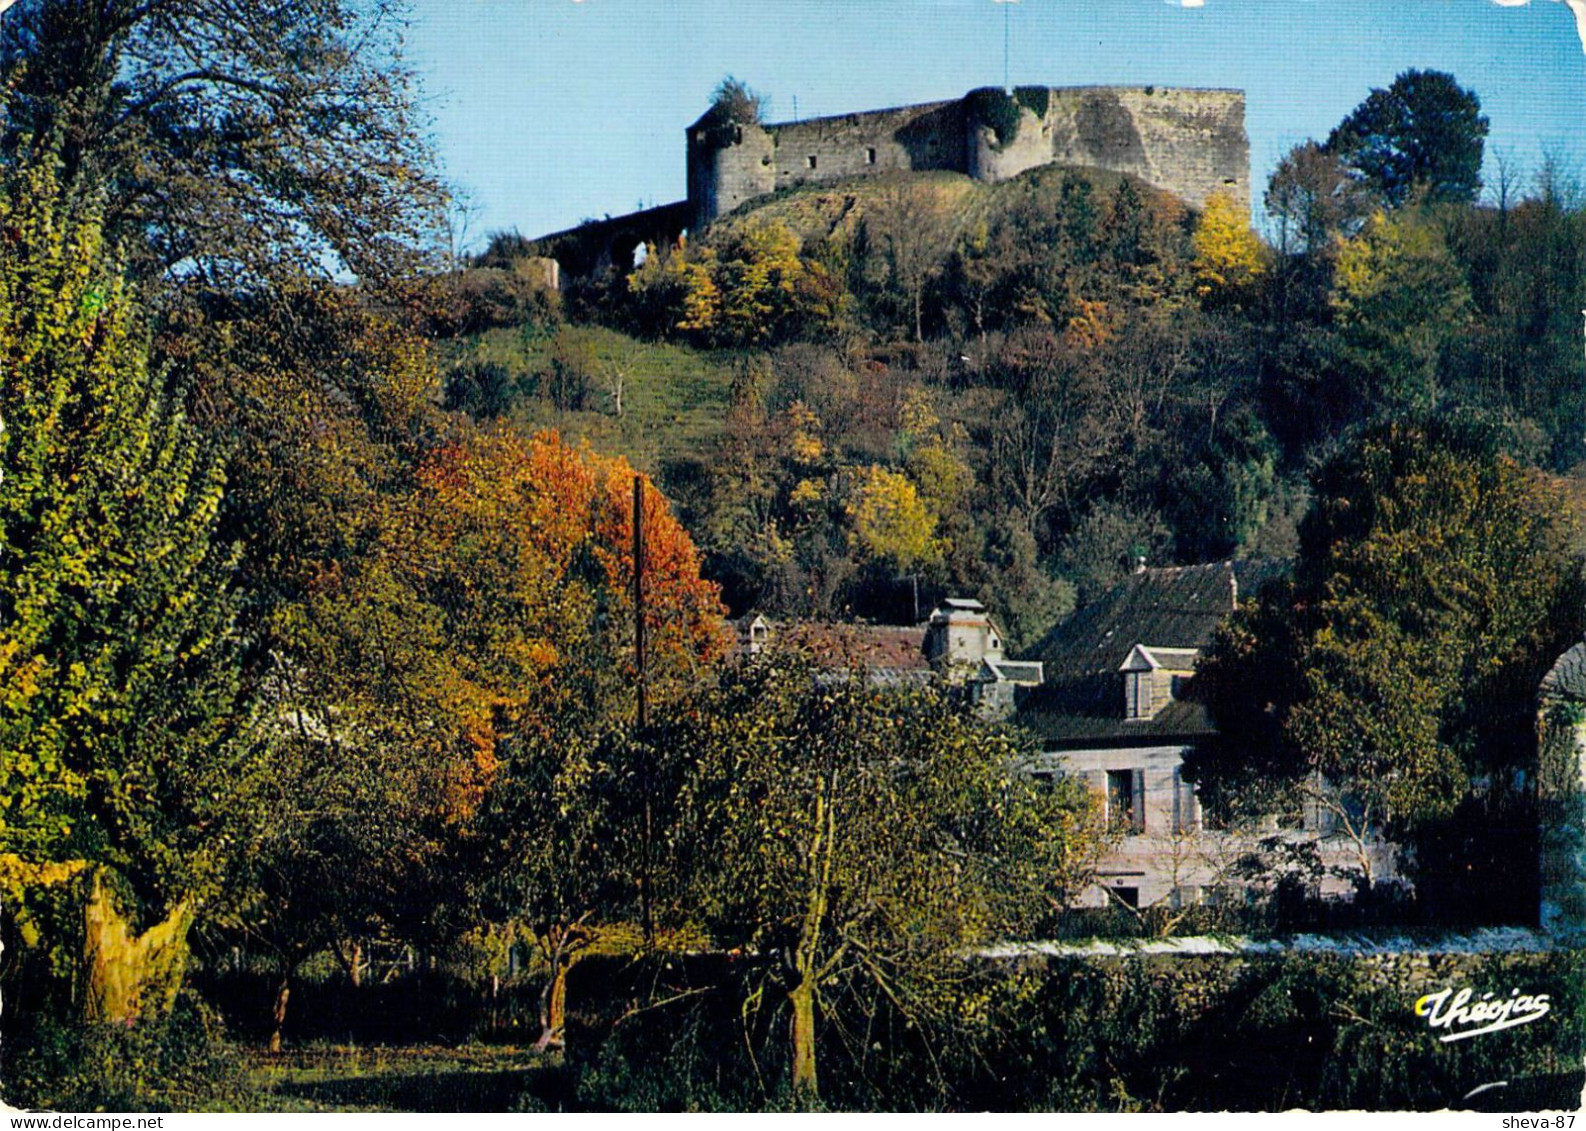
(476, 651)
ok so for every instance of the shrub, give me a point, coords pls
(179, 1062)
(1035, 99)
(483, 389)
(994, 107)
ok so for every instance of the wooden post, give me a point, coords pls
(638, 593)
(641, 716)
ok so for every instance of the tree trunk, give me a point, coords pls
(805, 1086)
(128, 975)
(805, 967)
(278, 1013)
(553, 998)
(553, 1010)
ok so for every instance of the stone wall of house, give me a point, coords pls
(1561, 796)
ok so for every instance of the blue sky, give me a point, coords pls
(547, 112)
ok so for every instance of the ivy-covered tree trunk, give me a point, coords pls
(128, 975)
(802, 997)
(119, 702)
(805, 1083)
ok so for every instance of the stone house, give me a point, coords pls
(1117, 710)
(958, 645)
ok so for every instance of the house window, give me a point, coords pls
(1137, 695)
(870, 156)
(1186, 895)
(1186, 806)
(811, 160)
(1126, 799)
(1221, 895)
(1129, 897)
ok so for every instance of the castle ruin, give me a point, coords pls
(1191, 143)
(1188, 142)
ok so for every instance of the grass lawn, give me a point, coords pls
(415, 1078)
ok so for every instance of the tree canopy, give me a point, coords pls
(234, 143)
(867, 836)
(1434, 584)
(1424, 130)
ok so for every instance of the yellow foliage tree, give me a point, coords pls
(1228, 256)
(890, 522)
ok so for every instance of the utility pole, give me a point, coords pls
(641, 715)
(642, 720)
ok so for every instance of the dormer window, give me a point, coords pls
(1137, 695)
(1153, 678)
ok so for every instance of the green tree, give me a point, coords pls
(241, 142)
(1434, 583)
(122, 740)
(1425, 130)
(1398, 296)
(866, 837)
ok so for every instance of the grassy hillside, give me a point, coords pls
(674, 397)
(816, 211)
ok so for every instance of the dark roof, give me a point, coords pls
(843, 647)
(1177, 607)
(1179, 720)
(1567, 679)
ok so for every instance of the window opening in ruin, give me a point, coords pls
(811, 160)
(870, 156)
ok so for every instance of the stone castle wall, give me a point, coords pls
(1189, 142)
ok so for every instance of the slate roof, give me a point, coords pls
(1179, 721)
(1171, 659)
(1567, 678)
(1167, 608)
(1016, 671)
(882, 649)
